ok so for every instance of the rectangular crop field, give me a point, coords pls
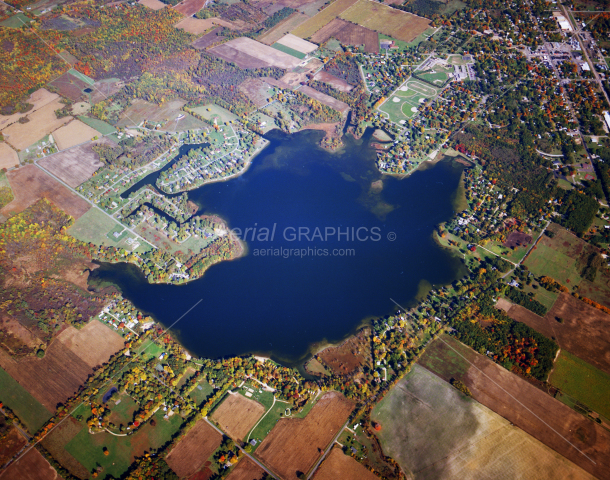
(315, 23)
(282, 28)
(8, 156)
(101, 126)
(348, 34)
(387, 20)
(190, 7)
(56, 442)
(32, 466)
(236, 415)
(339, 465)
(246, 469)
(455, 435)
(29, 410)
(194, 449)
(288, 50)
(153, 4)
(298, 44)
(583, 382)
(327, 100)
(75, 165)
(521, 403)
(72, 134)
(248, 53)
(295, 444)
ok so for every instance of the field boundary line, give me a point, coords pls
(520, 403)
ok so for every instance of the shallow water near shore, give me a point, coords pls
(337, 248)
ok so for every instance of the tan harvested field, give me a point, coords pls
(8, 156)
(282, 28)
(237, 414)
(38, 99)
(255, 89)
(55, 444)
(32, 466)
(74, 133)
(585, 330)
(348, 34)
(75, 165)
(30, 183)
(336, 83)
(194, 449)
(387, 20)
(141, 110)
(195, 25)
(190, 7)
(42, 122)
(152, 4)
(56, 376)
(296, 43)
(556, 425)
(294, 445)
(248, 53)
(315, 23)
(339, 465)
(327, 100)
(246, 470)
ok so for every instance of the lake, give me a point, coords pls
(342, 240)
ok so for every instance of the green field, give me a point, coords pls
(546, 261)
(583, 382)
(26, 407)
(122, 413)
(433, 431)
(16, 21)
(151, 349)
(81, 76)
(211, 111)
(288, 50)
(101, 126)
(404, 103)
(88, 448)
(200, 395)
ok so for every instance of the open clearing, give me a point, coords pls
(387, 20)
(236, 415)
(11, 442)
(32, 466)
(246, 469)
(434, 431)
(315, 23)
(41, 123)
(190, 7)
(38, 99)
(56, 376)
(72, 134)
(70, 86)
(194, 449)
(29, 183)
(8, 156)
(56, 442)
(152, 4)
(282, 28)
(195, 26)
(582, 382)
(257, 90)
(327, 100)
(338, 465)
(336, 83)
(75, 165)
(294, 445)
(348, 34)
(585, 330)
(248, 53)
(548, 420)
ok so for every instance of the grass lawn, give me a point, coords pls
(16, 21)
(546, 261)
(88, 449)
(151, 349)
(583, 382)
(26, 407)
(515, 255)
(97, 227)
(211, 111)
(201, 394)
(122, 413)
(99, 125)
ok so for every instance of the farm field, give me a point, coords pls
(195, 26)
(70, 86)
(282, 28)
(335, 82)
(152, 4)
(141, 110)
(348, 34)
(56, 442)
(99, 125)
(194, 449)
(190, 7)
(72, 134)
(454, 436)
(32, 466)
(75, 165)
(11, 441)
(298, 44)
(236, 415)
(315, 23)
(387, 20)
(41, 123)
(213, 112)
(87, 448)
(95, 227)
(38, 99)
(8, 156)
(246, 469)
(54, 378)
(585, 331)
(339, 465)
(582, 382)
(30, 183)
(288, 50)
(248, 53)
(405, 102)
(327, 100)
(537, 413)
(257, 90)
(294, 444)
(29, 410)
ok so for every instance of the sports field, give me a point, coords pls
(405, 102)
(583, 382)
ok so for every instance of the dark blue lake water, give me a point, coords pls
(283, 304)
